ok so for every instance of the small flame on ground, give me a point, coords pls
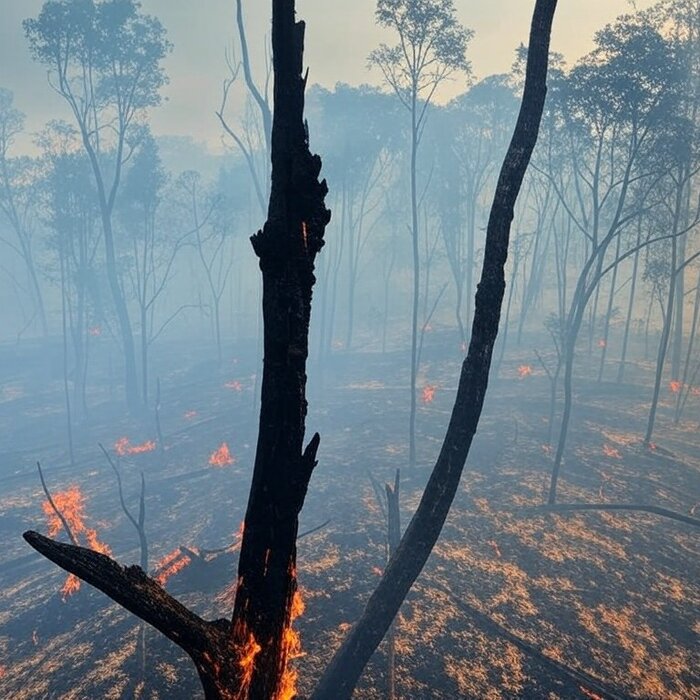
(524, 371)
(171, 564)
(124, 447)
(428, 395)
(222, 457)
(602, 343)
(589, 693)
(612, 452)
(675, 386)
(234, 385)
(71, 504)
(376, 570)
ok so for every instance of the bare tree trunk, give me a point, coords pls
(341, 676)
(630, 306)
(416, 282)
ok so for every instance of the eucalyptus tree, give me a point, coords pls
(152, 239)
(357, 127)
(72, 215)
(19, 179)
(104, 59)
(212, 239)
(431, 48)
(483, 120)
(613, 103)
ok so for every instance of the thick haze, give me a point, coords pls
(338, 42)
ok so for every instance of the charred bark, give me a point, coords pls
(287, 247)
(424, 529)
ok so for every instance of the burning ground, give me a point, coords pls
(512, 603)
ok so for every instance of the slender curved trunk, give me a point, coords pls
(342, 674)
(416, 282)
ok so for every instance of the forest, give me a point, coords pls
(386, 388)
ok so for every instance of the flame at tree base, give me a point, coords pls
(291, 649)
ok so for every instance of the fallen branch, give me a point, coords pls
(137, 592)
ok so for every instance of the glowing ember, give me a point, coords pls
(222, 457)
(305, 235)
(170, 565)
(234, 386)
(3, 672)
(675, 386)
(95, 331)
(123, 447)
(71, 504)
(376, 570)
(428, 394)
(190, 415)
(612, 452)
(524, 371)
(589, 693)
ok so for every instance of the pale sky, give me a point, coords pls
(340, 34)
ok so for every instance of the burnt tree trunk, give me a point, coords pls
(246, 658)
(287, 247)
(344, 670)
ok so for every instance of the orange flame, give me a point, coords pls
(71, 504)
(428, 393)
(234, 385)
(171, 564)
(675, 386)
(247, 660)
(612, 452)
(222, 457)
(524, 371)
(291, 642)
(123, 447)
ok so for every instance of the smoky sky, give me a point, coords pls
(340, 35)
